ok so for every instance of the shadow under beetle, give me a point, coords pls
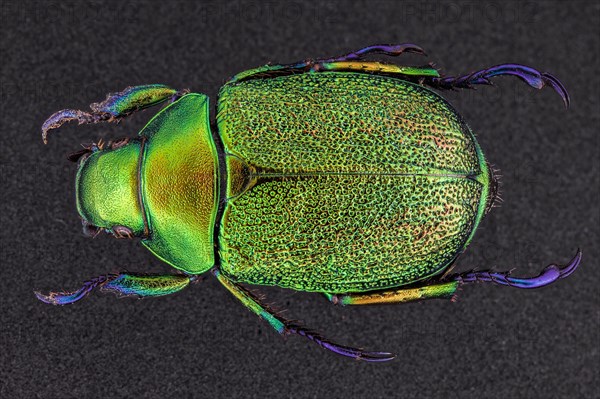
(341, 176)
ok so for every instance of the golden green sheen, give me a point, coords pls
(344, 122)
(354, 182)
(179, 184)
(107, 189)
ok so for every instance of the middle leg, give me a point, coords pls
(532, 77)
(287, 327)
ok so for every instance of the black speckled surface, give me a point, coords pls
(494, 342)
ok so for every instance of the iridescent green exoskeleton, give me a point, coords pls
(342, 176)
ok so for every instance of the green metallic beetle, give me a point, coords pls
(341, 176)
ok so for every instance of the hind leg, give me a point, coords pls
(349, 62)
(448, 286)
(531, 76)
(400, 295)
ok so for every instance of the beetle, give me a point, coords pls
(343, 176)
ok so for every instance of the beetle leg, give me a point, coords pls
(399, 295)
(378, 68)
(115, 107)
(549, 275)
(124, 284)
(286, 327)
(392, 50)
(448, 286)
(339, 66)
(346, 62)
(529, 75)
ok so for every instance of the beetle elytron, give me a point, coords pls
(341, 176)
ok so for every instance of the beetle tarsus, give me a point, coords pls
(64, 298)
(124, 284)
(287, 327)
(59, 118)
(531, 76)
(548, 276)
(392, 50)
(347, 351)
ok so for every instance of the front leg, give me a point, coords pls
(286, 327)
(124, 284)
(115, 107)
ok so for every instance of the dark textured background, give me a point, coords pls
(495, 342)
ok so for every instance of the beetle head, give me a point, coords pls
(107, 187)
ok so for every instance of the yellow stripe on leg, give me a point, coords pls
(445, 290)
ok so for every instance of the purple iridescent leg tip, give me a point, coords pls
(548, 276)
(64, 298)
